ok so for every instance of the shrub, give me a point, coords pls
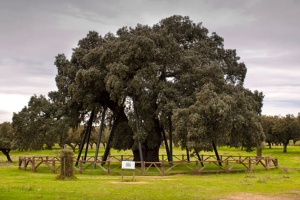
(67, 171)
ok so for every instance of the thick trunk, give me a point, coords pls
(149, 155)
(151, 145)
(6, 153)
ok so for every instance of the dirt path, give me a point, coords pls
(248, 196)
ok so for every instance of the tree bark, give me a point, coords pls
(6, 153)
(166, 144)
(216, 152)
(85, 137)
(150, 153)
(187, 154)
(285, 147)
(259, 149)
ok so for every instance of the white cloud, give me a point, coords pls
(11, 103)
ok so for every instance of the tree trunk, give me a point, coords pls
(285, 147)
(187, 154)
(91, 145)
(258, 152)
(6, 153)
(171, 137)
(84, 138)
(73, 147)
(199, 158)
(166, 144)
(216, 152)
(150, 153)
(259, 149)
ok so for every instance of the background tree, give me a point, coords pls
(268, 123)
(74, 136)
(7, 139)
(33, 125)
(286, 129)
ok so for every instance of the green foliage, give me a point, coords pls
(7, 136)
(281, 129)
(33, 125)
(226, 116)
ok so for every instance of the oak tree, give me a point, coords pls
(145, 75)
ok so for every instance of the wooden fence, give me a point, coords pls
(180, 164)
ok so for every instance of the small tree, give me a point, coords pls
(6, 139)
(268, 123)
(286, 129)
(34, 124)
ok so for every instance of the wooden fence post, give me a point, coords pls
(33, 164)
(249, 164)
(53, 166)
(227, 166)
(143, 167)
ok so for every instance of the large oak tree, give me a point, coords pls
(145, 75)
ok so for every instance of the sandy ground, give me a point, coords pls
(248, 196)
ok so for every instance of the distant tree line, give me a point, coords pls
(281, 130)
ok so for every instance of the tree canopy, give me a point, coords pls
(7, 139)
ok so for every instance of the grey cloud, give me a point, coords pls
(4, 116)
(265, 33)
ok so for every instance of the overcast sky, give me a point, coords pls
(265, 33)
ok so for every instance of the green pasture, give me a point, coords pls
(282, 183)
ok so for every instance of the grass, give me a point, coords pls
(283, 182)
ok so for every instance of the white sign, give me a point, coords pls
(128, 165)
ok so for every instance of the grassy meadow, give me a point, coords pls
(282, 183)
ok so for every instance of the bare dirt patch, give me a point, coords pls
(129, 183)
(248, 196)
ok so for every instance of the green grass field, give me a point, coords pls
(282, 183)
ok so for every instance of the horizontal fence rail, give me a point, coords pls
(180, 164)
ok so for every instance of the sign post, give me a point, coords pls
(128, 165)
